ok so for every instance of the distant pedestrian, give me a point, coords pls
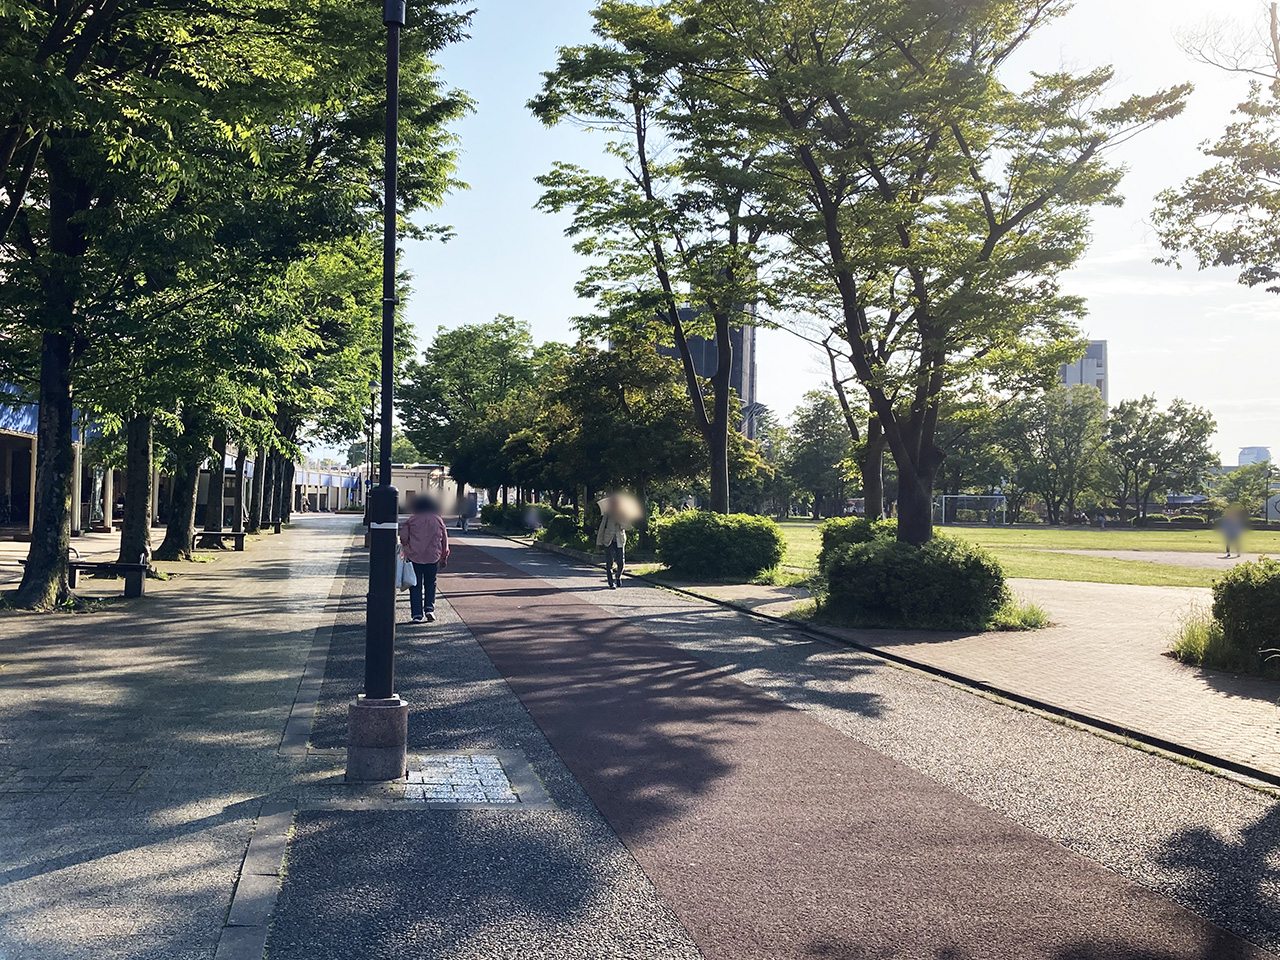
(1232, 526)
(468, 512)
(424, 542)
(617, 513)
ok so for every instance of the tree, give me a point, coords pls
(818, 453)
(935, 208)
(679, 218)
(463, 373)
(1150, 452)
(160, 153)
(1056, 445)
(1229, 215)
(1247, 486)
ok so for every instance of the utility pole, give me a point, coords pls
(378, 721)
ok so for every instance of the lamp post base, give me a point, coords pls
(377, 739)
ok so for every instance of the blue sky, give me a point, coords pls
(1189, 334)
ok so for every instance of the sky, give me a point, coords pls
(1190, 334)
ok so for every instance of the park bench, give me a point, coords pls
(135, 574)
(220, 535)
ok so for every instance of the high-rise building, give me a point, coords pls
(742, 375)
(1089, 370)
(1250, 455)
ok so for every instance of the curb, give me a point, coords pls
(1178, 750)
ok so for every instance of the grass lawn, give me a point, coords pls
(1024, 552)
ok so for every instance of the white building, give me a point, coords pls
(1089, 370)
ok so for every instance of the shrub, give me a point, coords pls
(1015, 614)
(844, 530)
(945, 584)
(1187, 521)
(719, 546)
(1246, 602)
(561, 528)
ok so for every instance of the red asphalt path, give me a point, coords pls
(770, 834)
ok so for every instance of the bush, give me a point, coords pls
(1246, 602)
(562, 528)
(845, 530)
(1190, 522)
(944, 585)
(719, 546)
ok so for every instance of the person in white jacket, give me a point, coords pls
(612, 535)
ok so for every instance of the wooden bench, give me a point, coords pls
(220, 535)
(135, 574)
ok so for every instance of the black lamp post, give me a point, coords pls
(378, 721)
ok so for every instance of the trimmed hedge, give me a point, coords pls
(836, 533)
(719, 546)
(561, 528)
(511, 516)
(945, 584)
(1246, 601)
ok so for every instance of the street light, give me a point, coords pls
(378, 721)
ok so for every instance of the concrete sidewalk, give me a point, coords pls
(138, 744)
(771, 834)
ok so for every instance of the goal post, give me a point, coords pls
(970, 508)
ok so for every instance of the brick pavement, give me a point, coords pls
(137, 744)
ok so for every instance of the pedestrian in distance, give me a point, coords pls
(617, 513)
(424, 542)
(467, 513)
(1232, 526)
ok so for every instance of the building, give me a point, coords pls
(742, 374)
(1250, 455)
(1089, 370)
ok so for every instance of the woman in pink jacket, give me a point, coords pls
(424, 542)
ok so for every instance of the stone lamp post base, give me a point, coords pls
(377, 739)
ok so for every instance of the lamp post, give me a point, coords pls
(378, 721)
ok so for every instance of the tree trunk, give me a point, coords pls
(277, 484)
(259, 485)
(873, 472)
(135, 531)
(915, 507)
(181, 531)
(817, 506)
(719, 446)
(44, 580)
(286, 494)
(237, 502)
(216, 503)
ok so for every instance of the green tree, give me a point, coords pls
(935, 208)
(1056, 443)
(1151, 452)
(1229, 215)
(1247, 486)
(818, 455)
(464, 372)
(674, 241)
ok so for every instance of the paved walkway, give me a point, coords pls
(1103, 656)
(763, 828)
(1175, 558)
(138, 743)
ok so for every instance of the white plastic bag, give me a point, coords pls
(406, 576)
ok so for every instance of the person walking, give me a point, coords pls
(468, 512)
(424, 542)
(1232, 525)
(612, 535)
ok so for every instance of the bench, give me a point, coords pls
(220, 535)
(135, 574)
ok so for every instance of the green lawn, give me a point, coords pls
(1023, 551)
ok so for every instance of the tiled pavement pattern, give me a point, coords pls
(140, 741)
(1103, 656)
(1208, 843)
(89, 546)
(468, 778)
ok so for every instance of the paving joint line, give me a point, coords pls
(1096, 725)
(253, 902)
